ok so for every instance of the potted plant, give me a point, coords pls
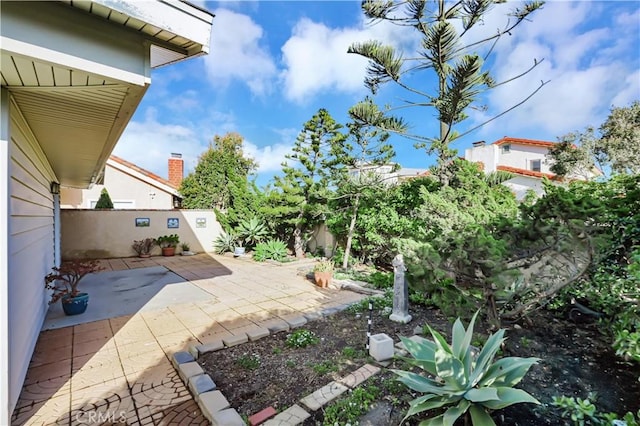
(323, 273)
(64, 281)
(186, 249)
(168, 244)
(143, 247)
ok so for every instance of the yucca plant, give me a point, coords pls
(463, 382)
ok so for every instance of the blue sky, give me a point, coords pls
(273, 64)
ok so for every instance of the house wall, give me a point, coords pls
(487, 155)
(4, 262)
(30, 247)
(126, 192)
(110, 233)
(519, 185)
(520, 156)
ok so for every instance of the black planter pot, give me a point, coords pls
(75, 305)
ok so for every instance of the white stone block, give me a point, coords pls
(381, 347)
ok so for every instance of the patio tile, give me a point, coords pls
(138, 363)
(41, 391)
(87, 377)
(93, 346)
(102, 325)
(237, 323)
(152, 376)
(96, 360)
(151, 400)
(100, 394)
(180, 338)
(184, 413)
(52, 411)
(43, 356)
(110, 411)
(48, 342)
(45, 372)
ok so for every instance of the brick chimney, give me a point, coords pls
(176, 169)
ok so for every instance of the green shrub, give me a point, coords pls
(584, 412)
(272, 249)
(302, 338)
(471, 385)
(104, 202)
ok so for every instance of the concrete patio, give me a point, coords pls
(117, 369)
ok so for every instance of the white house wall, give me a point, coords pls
(123, 188)
(519, 185)
(487, 155)
(30, 247)
(520, 156)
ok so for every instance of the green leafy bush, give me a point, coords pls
(301, 339)
(104, 202)
(627, 345)
(272, 249)
(584, 412)
(471, 385)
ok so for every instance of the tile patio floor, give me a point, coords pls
(117, 370)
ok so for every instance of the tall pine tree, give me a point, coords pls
(300, 196)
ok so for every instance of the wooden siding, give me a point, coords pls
(30, 246)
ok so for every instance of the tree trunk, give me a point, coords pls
(298, 249)
(352, 227)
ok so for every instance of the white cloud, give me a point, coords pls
(316, 58)
(585, 78)
(269, 157)
(237, 53)
(150, 142)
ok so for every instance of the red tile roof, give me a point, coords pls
(143, 171)
(525, 172)
(519, 141)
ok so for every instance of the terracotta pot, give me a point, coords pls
(323, 279)
(168, 251)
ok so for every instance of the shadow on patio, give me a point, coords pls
(114, 366)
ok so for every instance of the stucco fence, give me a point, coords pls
(103, 234)
(97, 234)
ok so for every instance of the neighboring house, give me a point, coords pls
(526, 159)
(73, 73)
(130, 187)
(388, 173)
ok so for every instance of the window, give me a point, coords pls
(535, 165)
(506, 149)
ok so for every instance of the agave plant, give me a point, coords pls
(252, 231)
(470, 383)
(272, 249)
(224, 243)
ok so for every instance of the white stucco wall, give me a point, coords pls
(520, 156)
(125, 191)
(487, 154)
(30, 248)
(110, 233)
(519, 185)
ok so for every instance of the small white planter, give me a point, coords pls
(187, 253)
(238, 251)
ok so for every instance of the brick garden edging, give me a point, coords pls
(211, 401)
